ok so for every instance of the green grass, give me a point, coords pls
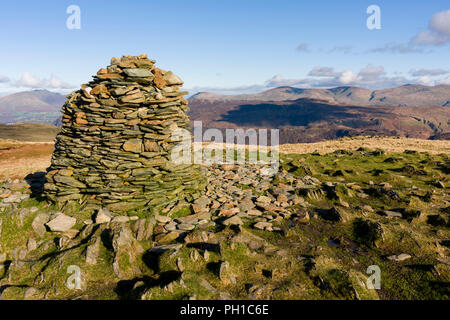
(305, 264)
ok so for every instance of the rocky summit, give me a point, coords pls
(117, 134)
(314, 230)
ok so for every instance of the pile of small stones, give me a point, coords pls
(234, 195)
(117, 135)
(238, 194)
(10, 193)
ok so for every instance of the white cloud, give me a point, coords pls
(427, 72)
(428, 37)
(371, 72)
(56, 83)
(370, 77)
(344, 49)
(397, 48)
(228, 90)
(322, 72)
(3, 79)
(303, 47)
(29, 81)
(438, 32)
(279, 81)
(348, 77)
(325, 77)
(443, 81)
(440, 22)
(425, 81)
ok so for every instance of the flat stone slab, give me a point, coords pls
(400, 257)
(164, 248)
(392, 214)
(234, 220)
(138, 73)
(61, 223)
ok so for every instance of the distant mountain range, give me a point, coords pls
(407, 95)
(302, 115)
(310, 115)
(38, 106)
(312, 120)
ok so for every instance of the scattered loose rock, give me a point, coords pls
(234, 220)
(103, 216)
(400, 257)
(61, 223)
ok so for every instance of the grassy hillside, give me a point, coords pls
(309, 232)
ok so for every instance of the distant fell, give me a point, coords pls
(407, 95)
(39, 106)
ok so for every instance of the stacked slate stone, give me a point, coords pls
(114, 147)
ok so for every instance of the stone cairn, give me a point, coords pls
(114, 147)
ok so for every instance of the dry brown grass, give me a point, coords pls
(17, 159)
(36, 132)
(389, 144)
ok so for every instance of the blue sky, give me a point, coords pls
(228, 46)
